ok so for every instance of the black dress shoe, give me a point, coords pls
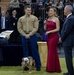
(38, 69)
(66, 74)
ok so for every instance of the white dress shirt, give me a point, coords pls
(69, 15)
(3, 22)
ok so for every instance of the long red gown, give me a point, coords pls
(53, 64)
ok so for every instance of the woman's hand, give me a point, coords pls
(47, 32)
(60, 40)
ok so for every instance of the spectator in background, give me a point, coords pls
(54, 1)
(48, 4)
(28, 1)
(27, 27)
(4, 22)
(67, 2)
(40, 13)
(13, 24)
(38, 1)
(34, 1)
(41, 27)
(34, 9)
(23, 1)
(59, 5)
(45, 1)
(14, 4)
(22, 4)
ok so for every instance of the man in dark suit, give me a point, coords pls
(4, 22)
(67, 37)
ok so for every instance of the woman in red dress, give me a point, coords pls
(52, 28)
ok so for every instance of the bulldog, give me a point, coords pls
(28, 63)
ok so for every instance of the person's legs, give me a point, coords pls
(68, 57)
(34, 50)
(25, 46)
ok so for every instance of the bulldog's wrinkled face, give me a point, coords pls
(25, 61)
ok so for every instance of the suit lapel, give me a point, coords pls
(64, 25)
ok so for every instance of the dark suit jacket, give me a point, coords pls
(7, 23)
(12, 22)
(67, 33)
(13, 26)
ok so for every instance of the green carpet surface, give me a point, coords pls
(17, 70)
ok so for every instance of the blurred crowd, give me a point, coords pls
(15, 10)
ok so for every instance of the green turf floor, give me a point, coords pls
(16, 70)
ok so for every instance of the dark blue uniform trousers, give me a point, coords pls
(31, 45)
(69, 60)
